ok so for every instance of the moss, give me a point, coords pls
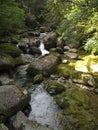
(38, 78)
(67, 70)
(55, 88)
(9, 49)
(80, 107)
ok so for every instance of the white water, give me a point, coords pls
(44, 109)
(42, 49)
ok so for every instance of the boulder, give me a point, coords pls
(21, 122)
(5, 79)
(50, 40)
(6, 63)
(54, 87)
(38, 78)
(35, 50)
(3, 127)
(10, 49)
(71, 55)
(12, 99)
(45, 66)
(24, 59)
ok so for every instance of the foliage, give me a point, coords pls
(11, 16)
(74, 20)
(92, 45)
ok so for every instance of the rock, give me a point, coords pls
(6, 63)
(34, 50)
(38, 78)
(3, 127)
(46, 66)
(21, 75)
(66, 48)
(50, 40)
(44, 29)
(5, 79)
(10, 49)
(71, 55)
(64, 61)
(12, 99)
(21, 122)
(68, 71)
(73, 50)
(54, 87)
(59, 50)
(60, 42)
(24, 59)
(88, 80)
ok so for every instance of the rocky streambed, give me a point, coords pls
(42, 91)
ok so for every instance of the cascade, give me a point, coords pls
(42, 48)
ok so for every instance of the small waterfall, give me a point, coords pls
(42, 48)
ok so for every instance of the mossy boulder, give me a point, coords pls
(6, 63)
(46, 66)
(80, 107)
(68, 70)
(38, 78)
(54, 87)
(10, 49)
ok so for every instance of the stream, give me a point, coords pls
(44, 109)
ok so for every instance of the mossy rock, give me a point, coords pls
(10, 49)
(67, 70)
(38, 79)
(54, 87)
(6, 63)
(80, 106)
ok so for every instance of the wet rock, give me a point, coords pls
(21, 122)
(50, 40)
(45, 66)
(12, 99)
(38, 78)
(71, 55)
(3, 127)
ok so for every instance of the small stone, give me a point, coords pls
(65, 61)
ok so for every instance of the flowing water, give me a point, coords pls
(42, 49)
(44, 109)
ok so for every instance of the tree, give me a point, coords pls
(11, 16)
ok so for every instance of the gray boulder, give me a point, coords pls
(45, 66)
(50, 40)
(12, 99)
(21, 122)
